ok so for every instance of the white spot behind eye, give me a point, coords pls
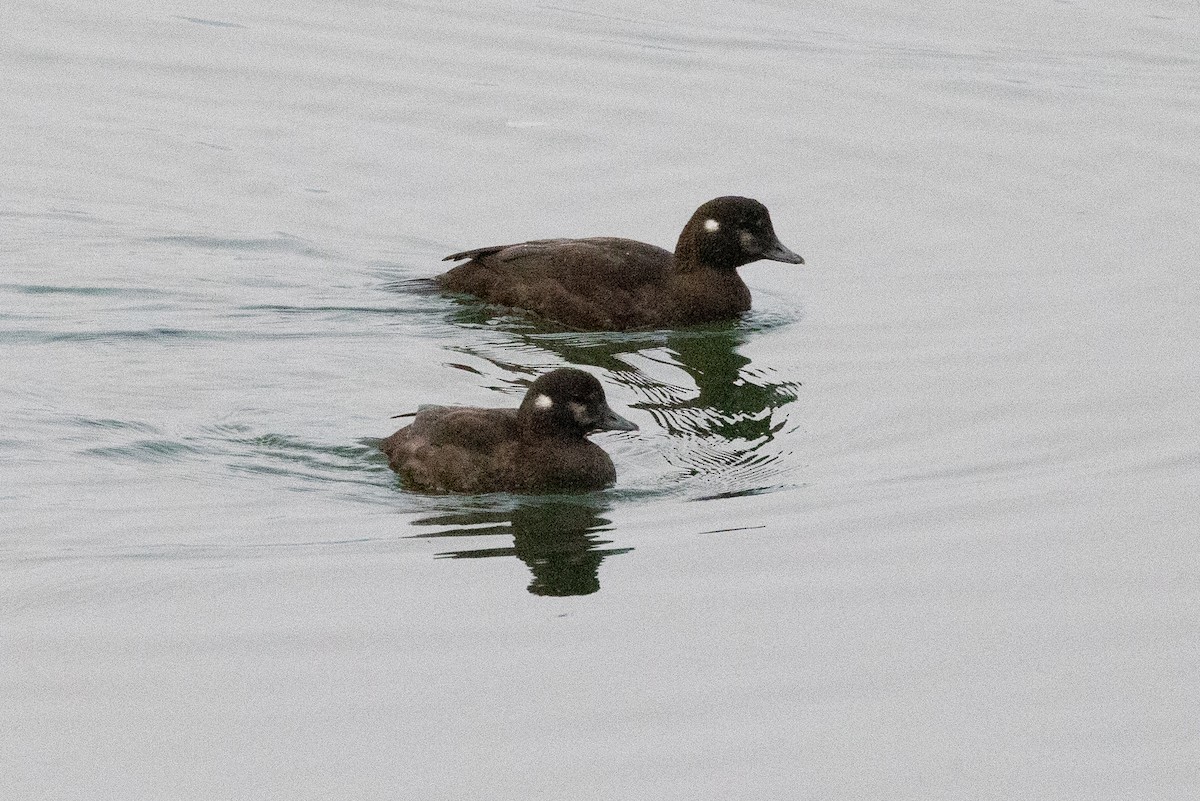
(543, 402)
(712, 226)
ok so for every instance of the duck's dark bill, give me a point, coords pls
(611, 421)
(777, 252)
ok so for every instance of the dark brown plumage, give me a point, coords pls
(605, 283)
(541, 446)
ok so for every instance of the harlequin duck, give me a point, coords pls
(609, 284)
(541, 446)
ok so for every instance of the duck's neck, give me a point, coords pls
(694, 253)
(544, 426)
(687, 253)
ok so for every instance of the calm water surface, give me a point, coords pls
(922, 525)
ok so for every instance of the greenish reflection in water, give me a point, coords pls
(557, 538)
(735, 401)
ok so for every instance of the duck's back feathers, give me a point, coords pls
(578, 265)
(452, 448)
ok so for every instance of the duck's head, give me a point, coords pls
(727, 232)
(569, 402)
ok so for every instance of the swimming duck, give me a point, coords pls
(541, 446)
(610, 284)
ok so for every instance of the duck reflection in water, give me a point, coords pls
(735, 401)
(556, 538)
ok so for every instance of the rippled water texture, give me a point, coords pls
(921, 525)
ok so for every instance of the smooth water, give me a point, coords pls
(922, 525)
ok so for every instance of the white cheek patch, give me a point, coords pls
(712, 226)
(749, 242)
(579, 412)
(543, 402)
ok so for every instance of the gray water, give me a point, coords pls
(922, 525)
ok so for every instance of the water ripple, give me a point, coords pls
(86, 291)
(280, 243)
(146, 450)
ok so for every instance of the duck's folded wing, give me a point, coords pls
(480, 430)
(537, 247)
(582, 265)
